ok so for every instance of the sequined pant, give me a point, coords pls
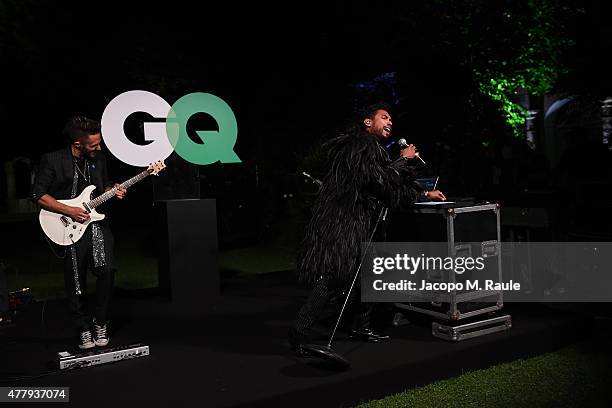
(323, 291)
(77, 304)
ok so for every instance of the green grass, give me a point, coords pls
(136, 268)
(250, 261)
(572, 377)
(45, 278)
(577, 376)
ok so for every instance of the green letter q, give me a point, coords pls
(218, 146)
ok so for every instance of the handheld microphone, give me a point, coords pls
(403, 144)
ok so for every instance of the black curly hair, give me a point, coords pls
(79, 127)
(370, 110)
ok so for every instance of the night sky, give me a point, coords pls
(286, 71)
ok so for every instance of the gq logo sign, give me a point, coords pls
(172, 135)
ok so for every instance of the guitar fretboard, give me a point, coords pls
(102, 198)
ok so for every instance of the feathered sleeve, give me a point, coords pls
(407, 190)
(361, 168)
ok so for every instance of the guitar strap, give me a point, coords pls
(97, 237)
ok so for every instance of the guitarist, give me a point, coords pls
(63, 174)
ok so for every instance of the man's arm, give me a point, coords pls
(108, 184)
(435, 195)
(44, 179)
(51, 204)
(409, 153)
(120, 193)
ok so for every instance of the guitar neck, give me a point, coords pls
(102, 198)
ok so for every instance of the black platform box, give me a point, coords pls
(188, 249)
(468, 229)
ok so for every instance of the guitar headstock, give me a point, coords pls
(155, 168)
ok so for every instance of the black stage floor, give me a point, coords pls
(232, 351)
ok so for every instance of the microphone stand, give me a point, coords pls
(314, 180)
(326, 352)
(419, 157)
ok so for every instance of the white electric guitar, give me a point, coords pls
(63, 230)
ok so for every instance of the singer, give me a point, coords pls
(360, 181)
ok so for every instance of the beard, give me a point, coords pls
(89, 154)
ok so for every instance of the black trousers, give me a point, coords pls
(323, 291)
(326, 288)
(77, 304)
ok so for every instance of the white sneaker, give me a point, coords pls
(86, 341)
(101, 334)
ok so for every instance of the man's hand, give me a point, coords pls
(435, 195)
(120, 194)
(77, 214)
(409, 152)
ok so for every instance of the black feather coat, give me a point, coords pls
(361, 179)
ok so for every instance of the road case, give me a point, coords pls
(473, 230)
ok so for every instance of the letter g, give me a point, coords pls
(114, 117)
